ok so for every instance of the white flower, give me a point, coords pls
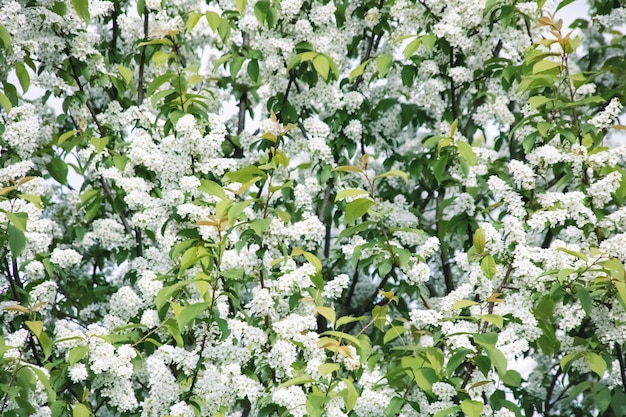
(605, 118)
(78, 372)
(65, 258)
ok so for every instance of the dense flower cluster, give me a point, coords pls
(311, 208)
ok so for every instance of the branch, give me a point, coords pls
(368, 52)
(142, 59)
(622, 366)
(443, 254)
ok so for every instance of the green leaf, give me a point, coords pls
(493, 318)
(595, 363)
(459, 356)
(512, 378)
(356, 209)
(192, 20)
(190, 312)
(488, 266)
(18, 219)
(538, 101)
(82, 10)
(328, 368)
(578, 255)
(22, 76)
(349, 192)
(585, 299)
(394, 173)
(447, 412)
(315, 404)
(358, 70)
(299, 380)
(327, 312)
(65, 136)
(321, 65)
(99, 143)
(393, 332)
(479, 241)
(428, 41)
(545, 65)
(466, 152)
(240, 5)
(212, 188)
(350, 394)
(213, 19)
(5, 38)
(412, 47)
(383, 63)
(472, 408)
(245, 174)
(45, 381)
(348, 319)
(80, 409)
(126, 73)
(76, 354)
(17, 240)
(5, 103)
(253, 70)
(35, 326)
(58, 170)
(463, 304)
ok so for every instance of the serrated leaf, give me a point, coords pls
(213, 19)
(192, 20)
(350, 395)
(383, 63)
(76, 354)
(18, 220)
(412, 47)
(488, 266)
(327, 312)
(22, 75)
(17, 240)
(479, 241)
(349, 192)
(5, 38)
(328, 368)
(58, 170)
(595, 363)
(538, 101)
(493, 318)
(394, 173)
(299, 380)
(82, 9)
(348, 319)
(189, 313)
(126, 73)
(392, 333)
(356, 209)
(80, 410)
(463, 304)
(35, 326)
(428, 41)
(472, 408)
(358, 70)
(545, 65)
(578, 255)
(5, 103)
(466, 152)
(321, 65)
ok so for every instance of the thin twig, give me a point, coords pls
(142, 59)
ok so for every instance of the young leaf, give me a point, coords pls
(82, 9)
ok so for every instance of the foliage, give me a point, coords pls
(290, 208)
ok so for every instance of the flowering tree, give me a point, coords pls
(320, 208)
